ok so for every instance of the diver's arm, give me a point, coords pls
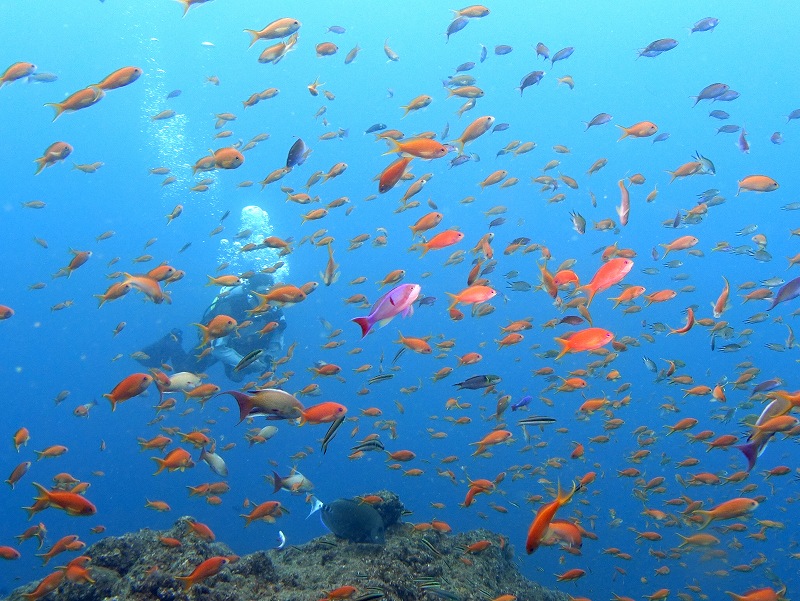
(224, 353)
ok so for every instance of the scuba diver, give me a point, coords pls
(229, 350)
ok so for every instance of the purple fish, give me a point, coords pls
(776, 138)
(523, 402)
(788, 291)
(502, 49)
(398, 301)
(501, 127)
(719, 114)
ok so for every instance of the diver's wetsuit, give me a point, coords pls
(228, 350)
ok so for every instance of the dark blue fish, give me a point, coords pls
(523, 402)
(532, 78)
(297, 154)
(478, 382)
(456, 26)
(373, 128)
(719, 115)
(336, 29)
(707, 24)
(795, 114)
(661, 137)
(500, 127)
(502, 49)
(426, 301)
(174, 94)
(484, 53)
(562, 54)
(572, 320)
(542, 50)
(465, 67)
(497, 222)
(728, 129)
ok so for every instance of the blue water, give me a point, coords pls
(45, 352)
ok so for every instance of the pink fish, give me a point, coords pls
(398, 301)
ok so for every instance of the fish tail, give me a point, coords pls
(247, 519)
(750, 451)
(204, 331)
(253, 36)
(244, 401)
(394, 146)
(277, 482)
(455, 300)
(624, 133)
(706, 515)
(364, 323)
(113, 401)
(44, 495)
(42, 163)
(161, 465)
(58, 107)
(564, 347)
(590, 292)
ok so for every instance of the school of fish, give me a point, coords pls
(564, 369)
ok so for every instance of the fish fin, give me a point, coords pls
(363, 322)
(316, 505)
(394, 146)
(624, 133)
(58, 107)
(564, 347)
(750, 451)
(277, 482)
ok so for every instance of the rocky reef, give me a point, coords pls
(414, 564)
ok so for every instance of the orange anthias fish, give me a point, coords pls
(642, 129)
(72, 503)
(610, 273)
(218, 327)
(133, 385)
(77, 101)
(544, 516)
(423, 148)
(472, 295)
(120, 78)
(176, 459)
(57, 151)
(206, 569)
(392, 174)
(323, 413)
(584, 340)
(440, 240)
